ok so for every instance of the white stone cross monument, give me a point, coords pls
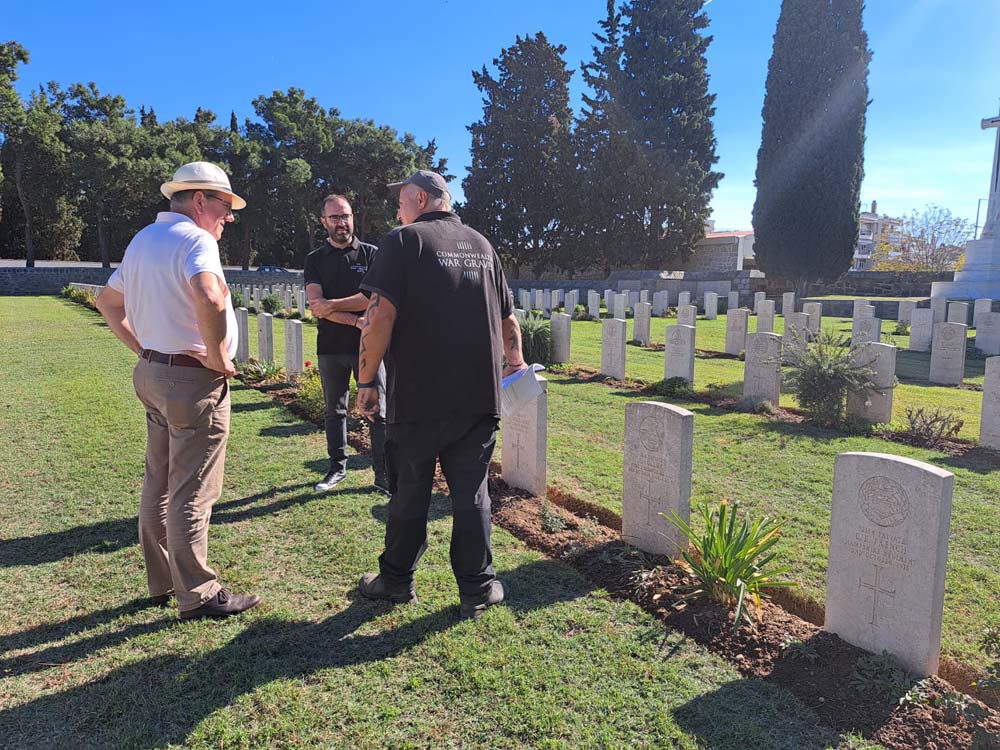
(980, 276)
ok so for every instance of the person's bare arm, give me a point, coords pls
(512, 346)
(209, 293)
(376, 333)
(355, 303)
(326, 309)
(111, 305)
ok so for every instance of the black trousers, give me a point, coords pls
(464, 445)
(335, 373)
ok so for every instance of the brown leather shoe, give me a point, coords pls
(223, 604)
(373, 586)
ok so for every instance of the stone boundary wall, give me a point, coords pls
(36, 281)
(884, 309)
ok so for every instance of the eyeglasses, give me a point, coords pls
(227, 204)
(335, 218)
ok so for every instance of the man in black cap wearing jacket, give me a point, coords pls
(441, 315)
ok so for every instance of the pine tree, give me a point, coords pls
(810, 162)
(668, 115)
(522, 161)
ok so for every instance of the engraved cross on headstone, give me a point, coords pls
(516, 445)
(992, 224)
(646, 494)
(876, 589)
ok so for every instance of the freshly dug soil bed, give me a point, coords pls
(818, 670)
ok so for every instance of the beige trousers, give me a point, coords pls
(187, 426)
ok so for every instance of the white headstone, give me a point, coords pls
(948, 353)
(300, 302)
(520, 315)
(736, 330)
(659, 443)
(889, 531)
(787, 303)
(684, 298)
(633, 300)
(815, 312)
(874, 405)
(265, 337)
(921, 329)
(571, 300)
(613, 333)
(711, 305)
(561, 327)
(609, 296)
(687, 315)
(866, 311)
(989, 426)
(293, 347)
(660, 302)
(644, 295)
(523, 444)
(762, 369)
(980, 307)
(865, 330)
(858, 305)
(287, 293)
(765, 316)
(940, 307)
(906, 308)
(243, 334)
(988, 334)
(525, 297)
(958, 312)
(539, 302)
(621, 300)
(678, 359)
(796, 338)
(641, 324)
(732, 301)
(594, 307)
(758, 297)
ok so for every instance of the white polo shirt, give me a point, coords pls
(155, 277)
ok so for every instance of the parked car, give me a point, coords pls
(271, 269)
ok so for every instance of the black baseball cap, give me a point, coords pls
(428, 181)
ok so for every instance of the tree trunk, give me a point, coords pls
(102, 236)
(29, 244)
(245, 252)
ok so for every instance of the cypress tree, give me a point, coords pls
(668, 115)
(810, 162)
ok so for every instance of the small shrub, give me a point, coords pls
(552, 522)
(931, 428)
(882, 675)
(536, 339)
(83, 297)
(715, 390)
(918, 695)
(823, 375)
(309, 396)
(795, 649)
(732, 558)
(673, 388)
(990, 645)
(270, 303)
(580, 313)
(237, 296)
(588, 529)
(902, 328)
(260, 371)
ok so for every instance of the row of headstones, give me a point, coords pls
(888, 534)
(617, 303)
(291, 295)
(294, 353)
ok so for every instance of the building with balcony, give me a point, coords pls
(874, 230)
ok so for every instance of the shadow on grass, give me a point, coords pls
(248, 406)
(113, 535)
(160, 700)
(978, 460)
(289, 429)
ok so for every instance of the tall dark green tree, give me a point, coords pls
(601, 195)
(668, 115)
(522, 159)
(811, 158)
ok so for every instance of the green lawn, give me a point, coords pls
(84, 664)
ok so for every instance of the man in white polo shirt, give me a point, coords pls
(169, 303)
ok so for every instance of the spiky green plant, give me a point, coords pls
(823, 374)
(536, 339)
(732, 558)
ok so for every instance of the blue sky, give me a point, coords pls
(934, 74)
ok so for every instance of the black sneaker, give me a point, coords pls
(474, 610)
(331, 480)
(373, 586)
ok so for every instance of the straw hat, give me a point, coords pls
(201, 175)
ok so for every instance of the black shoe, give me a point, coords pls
(473, 610)
(223, 604)
(382, 485)
(373, 586)
(331, 480)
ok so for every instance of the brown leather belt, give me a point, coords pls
(181, 360)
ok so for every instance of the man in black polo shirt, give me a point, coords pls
(333, 273)
(442, 315)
